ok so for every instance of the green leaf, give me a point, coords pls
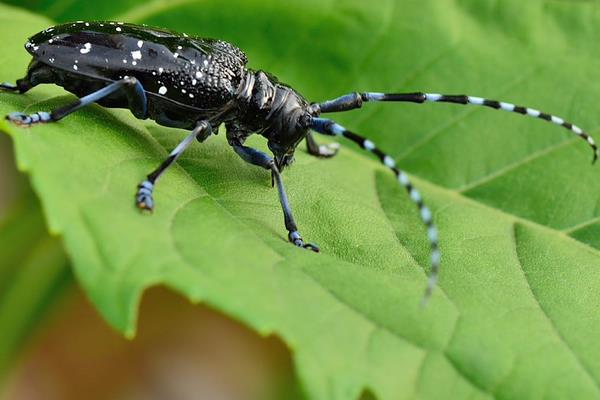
(515, 199)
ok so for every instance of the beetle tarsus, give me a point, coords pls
(321, 150)
(143, 197)
(328, 150)
(22, 119)
(295, 238)
(8, 87)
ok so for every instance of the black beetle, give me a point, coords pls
(198, 84)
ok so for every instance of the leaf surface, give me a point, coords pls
(515, 199)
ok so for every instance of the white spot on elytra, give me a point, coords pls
(124, 61)
(191, 96)
(179, 47)
(87, 24)
(86, 48)
(206, 63)
(136, 55)
(194, 81)
(50, 41)
(160, 70)
(118, 29)
(162, 90)
(175, 55)
(51, 59)
(198, 74)
(140, 43)
(75, 67)
(134, 63)
(154, 73)
(183, 91)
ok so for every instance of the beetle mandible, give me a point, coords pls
(198, 84)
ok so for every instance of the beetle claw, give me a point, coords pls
(328, 150)
(297, 240)
(312, 246)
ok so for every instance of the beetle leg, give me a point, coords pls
(9, 87)
(320, 150)
(129, 87)
(258, 158)
(21, 86)
(37, 73)
(143, 197)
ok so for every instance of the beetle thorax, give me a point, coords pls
(273, 110)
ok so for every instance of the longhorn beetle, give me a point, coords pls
(198, 84)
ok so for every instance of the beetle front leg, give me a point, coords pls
(258, 158)
(143, 197)
(320, 150)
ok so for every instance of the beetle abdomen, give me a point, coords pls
(201, 73)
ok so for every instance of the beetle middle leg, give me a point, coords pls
(143, 197)
(258, 158)
(131, 88)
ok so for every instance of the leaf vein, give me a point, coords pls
(551, 322)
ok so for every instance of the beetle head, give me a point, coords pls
(283, 153)
(292, 128)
